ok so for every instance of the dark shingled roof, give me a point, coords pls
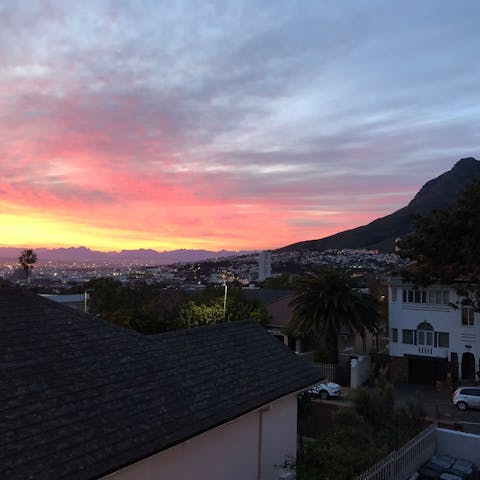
(267, 295)
(81, 398)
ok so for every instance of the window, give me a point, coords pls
(407, 336)
(394, 294)
(470, 391)
(425, 334)
(394, 334)
(443, 339)
(425, 338)
(432, 296)
(468, 318)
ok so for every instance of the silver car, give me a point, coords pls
(466, 397)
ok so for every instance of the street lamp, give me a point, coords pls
(86, 299)
(225, 303)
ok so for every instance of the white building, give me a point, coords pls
(264, 265)
(431, 333)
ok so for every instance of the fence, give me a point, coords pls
(328, 370)
(402, 463)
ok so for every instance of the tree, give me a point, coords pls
(207, 307)
(368, 432)
(446, 246)
(192, 314)
(145, 308)
(326, 301)
(27, 259)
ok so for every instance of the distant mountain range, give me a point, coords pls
(141, 256)
(381, 233)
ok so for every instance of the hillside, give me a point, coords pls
(382, 232)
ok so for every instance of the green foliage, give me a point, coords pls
(363, 435)
(343, 454)
(446, 246)
(139, 306)
(192, 314)
(208, 307)
(150, 309)
(327, 300)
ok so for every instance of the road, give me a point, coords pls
(438, 405)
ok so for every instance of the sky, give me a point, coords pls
(227, 124)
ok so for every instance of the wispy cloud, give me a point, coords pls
(229, 124)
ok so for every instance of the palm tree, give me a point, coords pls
(26, 259)
(327, 301)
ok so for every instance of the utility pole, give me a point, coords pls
(225, 301)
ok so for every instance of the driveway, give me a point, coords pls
(438, 405)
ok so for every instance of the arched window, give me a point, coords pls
(425, 334)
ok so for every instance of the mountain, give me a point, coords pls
(141, 256)
(380, 234)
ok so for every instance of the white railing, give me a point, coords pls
(401, 349)
(402, 463)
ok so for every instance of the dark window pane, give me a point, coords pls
(394, 335)
(407, 336)
(443, 340)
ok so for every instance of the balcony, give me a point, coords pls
(401, 349)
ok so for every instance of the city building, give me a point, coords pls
(264, 265)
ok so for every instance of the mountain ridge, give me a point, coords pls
(141, 256)
(436, 194)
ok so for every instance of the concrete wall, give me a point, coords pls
(231, 451)
(459, 445)
(360, 369)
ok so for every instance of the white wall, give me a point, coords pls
(228, 452)
(458, 444)
(442, 318)
(359, 371)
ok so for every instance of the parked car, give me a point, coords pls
(325, 389)
(466, 397)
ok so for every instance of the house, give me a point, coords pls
(350, 343)
(279, 312)
(431, 334)
(83, 399)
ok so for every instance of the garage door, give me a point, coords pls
(426, 371)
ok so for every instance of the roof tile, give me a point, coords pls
(81, 397)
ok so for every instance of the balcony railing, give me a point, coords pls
(401, 349)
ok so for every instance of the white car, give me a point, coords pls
(466, 397)
(325, 390)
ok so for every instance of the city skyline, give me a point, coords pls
(226, 125)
